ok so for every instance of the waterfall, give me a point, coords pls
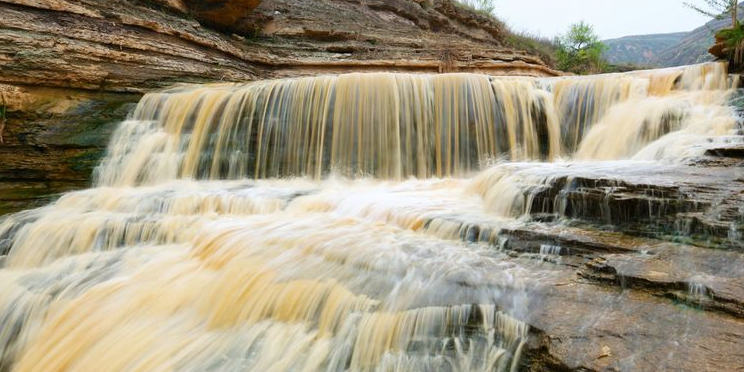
(383, 125)
(333, 223)
(400, 125)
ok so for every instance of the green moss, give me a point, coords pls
(18, 198)
(87, 124)
(87, 160)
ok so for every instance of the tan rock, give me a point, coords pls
(718, 50)
(222, 14)
(58, 5)
(606, 352)
(14, 98)
(175, 4)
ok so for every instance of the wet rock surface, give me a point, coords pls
(641, 297)
(580, 322)
(653, 304)
(698, 203)
(648, 306)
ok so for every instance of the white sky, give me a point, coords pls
(610, 18)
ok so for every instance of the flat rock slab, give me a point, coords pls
(710, 279)
(591, 328)
(700, 204)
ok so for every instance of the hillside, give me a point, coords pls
(665, 50)
(693, 48)
(640, 49)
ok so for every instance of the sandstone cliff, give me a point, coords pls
(70, 69)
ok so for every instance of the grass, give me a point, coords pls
(532, 44)
(484, 8)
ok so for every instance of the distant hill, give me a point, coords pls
(640, 50)
(665, 50)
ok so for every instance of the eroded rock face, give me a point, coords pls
(132, 48)
(386, 35)
(136, 45)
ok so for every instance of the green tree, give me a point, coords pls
(580, 50)
(719, 9)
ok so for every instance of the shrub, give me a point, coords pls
(733, 39)
(580, 50)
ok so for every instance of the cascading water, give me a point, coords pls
(277, 225)
(396, 126)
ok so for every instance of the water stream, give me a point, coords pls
(326, 223)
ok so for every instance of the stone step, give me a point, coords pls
(690, 204)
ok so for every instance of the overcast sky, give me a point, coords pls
(611, 18)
